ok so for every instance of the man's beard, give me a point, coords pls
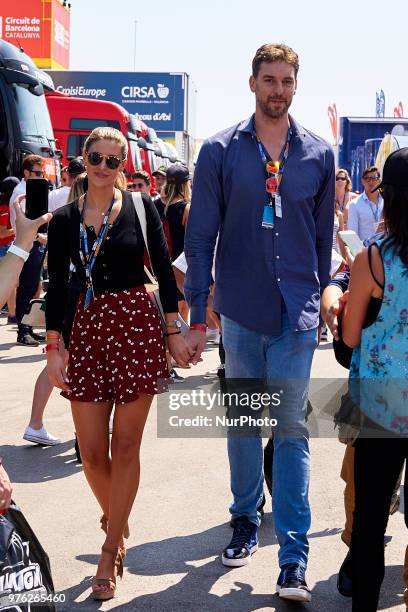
(276, 113)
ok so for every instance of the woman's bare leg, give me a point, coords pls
(128, 426)
(91, 421)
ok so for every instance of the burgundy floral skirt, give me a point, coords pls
(116, 349)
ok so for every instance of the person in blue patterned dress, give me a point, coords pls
(379, 279)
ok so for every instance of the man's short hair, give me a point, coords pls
(369, 170)
(142, 174)
(30, 161)
(274, 53)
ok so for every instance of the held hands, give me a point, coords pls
(196, 341)
(179, 349)
(26, 229)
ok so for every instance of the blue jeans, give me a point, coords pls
(249, 354)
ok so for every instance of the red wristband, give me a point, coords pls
(199, 327)
(51, 347)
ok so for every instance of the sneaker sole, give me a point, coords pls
(238, 562)
(294, 594)
(30, 345)
(41, 441)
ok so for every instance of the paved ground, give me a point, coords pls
(179, 521)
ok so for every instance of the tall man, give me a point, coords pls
(275, 227)
(366, 212)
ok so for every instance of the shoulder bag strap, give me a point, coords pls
(141, 215)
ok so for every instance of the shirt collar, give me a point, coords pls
(366, 198)
(248, 126)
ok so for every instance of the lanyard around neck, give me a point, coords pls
(88, 259)
(282, 158)
(376, 210)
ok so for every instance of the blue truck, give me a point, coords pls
(360, 139)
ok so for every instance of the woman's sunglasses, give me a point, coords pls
(341, 178)
(112, 161)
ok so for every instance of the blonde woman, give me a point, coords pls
(117, 351)
(344, 194)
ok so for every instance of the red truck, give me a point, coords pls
(73, 119)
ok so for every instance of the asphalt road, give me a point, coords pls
(179, 523)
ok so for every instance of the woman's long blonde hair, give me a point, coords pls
(109, 133)
(171, 192)
(78, 188)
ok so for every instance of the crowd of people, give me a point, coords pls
(265, 221)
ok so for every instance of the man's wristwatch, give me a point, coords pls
(19, 252)
(176, 323)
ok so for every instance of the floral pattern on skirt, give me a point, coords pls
(116, 349)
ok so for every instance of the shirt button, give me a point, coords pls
(278, 279)
(277, 257)
(276, 233)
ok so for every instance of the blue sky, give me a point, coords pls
(347, 51)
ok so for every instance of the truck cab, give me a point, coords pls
(25, 125)
(73, 119)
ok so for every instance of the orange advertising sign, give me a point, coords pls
(41, 27)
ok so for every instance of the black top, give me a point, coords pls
(174, 217)
(342, 351)
(119, 265)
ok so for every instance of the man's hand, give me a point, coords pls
(196, 341)
(26, 229)
(333, 313)
(5, 490)
(179, 349)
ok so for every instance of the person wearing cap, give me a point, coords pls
(365, 212)
(173, 206)
(379, 274)
(160, 178)
(6, 236)
(59, 197)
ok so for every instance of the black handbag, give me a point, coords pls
(25, 575)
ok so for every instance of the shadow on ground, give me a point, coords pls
(194, 563)
(34, 463)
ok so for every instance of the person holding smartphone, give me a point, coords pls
(32, 168)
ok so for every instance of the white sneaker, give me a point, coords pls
(40, 436)
(213, 335)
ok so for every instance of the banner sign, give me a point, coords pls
(332, 113)
(41, 27)
(380, 104)
(157, 97)
(399, 110)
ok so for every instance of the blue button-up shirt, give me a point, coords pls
(259, 271)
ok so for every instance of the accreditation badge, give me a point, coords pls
(268, 219)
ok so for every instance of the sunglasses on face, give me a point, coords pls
(139, 185)
(341, 178)
(38, 173)
(112, 161)
(371, 179)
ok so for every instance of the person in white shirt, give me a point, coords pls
(366, 212)
(59, 197)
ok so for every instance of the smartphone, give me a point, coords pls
(350, 238)
(37, 199)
